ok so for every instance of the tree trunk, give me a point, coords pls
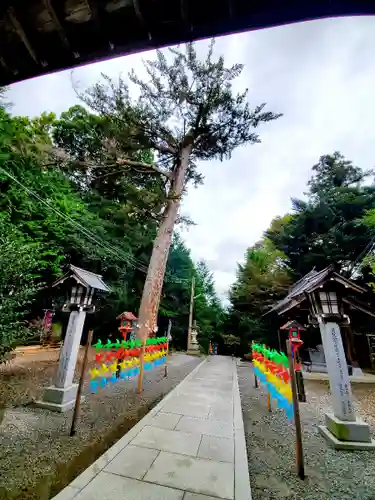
(149, 307)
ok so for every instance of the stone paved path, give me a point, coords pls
(191, 446)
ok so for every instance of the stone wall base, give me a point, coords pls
(58, 399)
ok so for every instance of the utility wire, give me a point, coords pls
(89, 234)
(368, 248)
(114, 250)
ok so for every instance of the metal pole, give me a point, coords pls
(191, 311)
(77, 405)
(269, 402)
(297, 421)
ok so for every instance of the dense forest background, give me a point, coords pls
(56, 208)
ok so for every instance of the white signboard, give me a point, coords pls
(337, 371)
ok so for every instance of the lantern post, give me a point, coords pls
(343, 429)
(80, 286)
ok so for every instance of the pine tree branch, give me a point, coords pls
(147, 166)
(164, 148)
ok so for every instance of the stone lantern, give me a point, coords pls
(343, 429)
(80, 286)
(323, 295)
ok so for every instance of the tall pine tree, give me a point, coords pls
(187, 111)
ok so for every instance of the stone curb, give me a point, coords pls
(242, 488)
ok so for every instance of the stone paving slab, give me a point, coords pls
(132, 462)
(108, 486)
(216, 428)
(166, 420)
(216, 448)
(184, 443)
(190, 446)
(193, 474)
(197, 496)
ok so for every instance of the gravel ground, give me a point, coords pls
(37, 456)
(331, 474)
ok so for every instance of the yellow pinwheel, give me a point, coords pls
(104, 369)
(94, 372)
(113, 367)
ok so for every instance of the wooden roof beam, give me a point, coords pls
(51, 11)
(140, 17)
(21, 33)
(184, 15)
(230, 9)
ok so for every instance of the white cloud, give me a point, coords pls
(320, 74)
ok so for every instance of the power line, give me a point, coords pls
(85, 231)
(368, 248)
(89, 234)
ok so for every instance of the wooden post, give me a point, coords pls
(166, 361)
(77, 405)
(279, 338)
(299, 378)
(256, 385)
(297, 421)
(141, 367)
(269, 402)
(191, 312)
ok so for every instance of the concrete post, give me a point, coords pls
(69, 354)
(343, 429)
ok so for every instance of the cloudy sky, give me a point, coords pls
(320, 74)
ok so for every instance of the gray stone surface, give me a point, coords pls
(58, 399)
(221, 413)
(66, 494)
(196, 496)
(184, 407)
(165, 420)
(216, 428)
(190, 445)
(132, 462)
(348, 431)
(193, 474)
(167, 440)
(216, 448)
(108, 486)
(345, 445)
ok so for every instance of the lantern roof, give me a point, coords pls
(127, 315)
(297, 293)
(292, 325)
(84, 278)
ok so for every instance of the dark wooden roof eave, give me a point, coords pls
(43, 36)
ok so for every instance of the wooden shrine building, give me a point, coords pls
(331, 293)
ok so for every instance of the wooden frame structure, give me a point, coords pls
(43, 36)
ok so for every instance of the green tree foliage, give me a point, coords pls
(327, 227)
(57, 210)
(175, 302)
(18, 285)
(261, 280)
(334, 224)
(208, 308)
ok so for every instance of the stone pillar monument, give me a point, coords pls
(80, 287)
(62, 395)
(343, 429)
